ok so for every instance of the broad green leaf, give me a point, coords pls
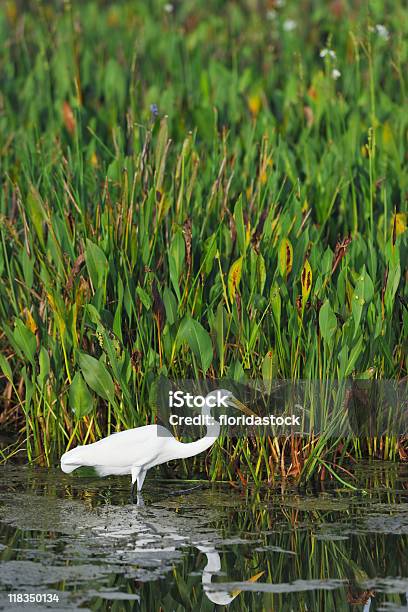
(80, 399)
(210, 250)
(177, 252)
(97, 377)
(327, 323)
(28, 268)
(37, 213)
(144, 298)
(6, 369)
(170, 306)
(269, 370)
(236, 371)
(343, 361)
(362, 295)
(199, 341)
(354, 355)
(96, 263)
(174, 276)
(44, 365)
(93, 313)
(25, 340)
(394, 276)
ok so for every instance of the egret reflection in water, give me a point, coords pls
(158, 532)
(144, 543)
(320, 551)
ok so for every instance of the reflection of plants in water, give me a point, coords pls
(309, 551)
(299, 542)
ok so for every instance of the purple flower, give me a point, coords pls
(154, 110)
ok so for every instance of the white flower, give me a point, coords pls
(271, 15)
(279, 3)
(328, 52)
(335, 74)
(382, 31)
(169, 8)
(289, 25)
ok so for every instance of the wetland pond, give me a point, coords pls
(80, 539)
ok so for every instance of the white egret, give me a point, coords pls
(137, 450)
(213, 567)
(215, 591)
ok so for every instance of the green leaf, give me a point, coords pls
(44, 365)
(327, 323)
(394, 276)
(236, 371)
(210, 251)
(239, 224)
(80, 398)
(177, 252)
(144, 298)
(25, 340)
(96, 263)
(97, 377)
(37, 213)
(5, 366)
(354, 355)
(269, 370)
(261, 273)
(363, 294)
(170, 306)
(28, 268)
(276, 304)
(93, 313)
(176, 257)
(199, 341)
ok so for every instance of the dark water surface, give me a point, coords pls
(79, 539)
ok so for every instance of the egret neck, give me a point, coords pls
(213, 431)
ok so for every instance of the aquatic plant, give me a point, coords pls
(194, 201)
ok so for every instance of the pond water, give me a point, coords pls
(80, 539)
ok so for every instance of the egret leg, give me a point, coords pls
(138, 476)
(140, 479)
(135, 483)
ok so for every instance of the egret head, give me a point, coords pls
(222, 398)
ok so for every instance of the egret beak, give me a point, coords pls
(252, 579)
(237, 404)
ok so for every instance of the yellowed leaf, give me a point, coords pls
(306, 280)
(31, 324)
(234, 277)
(285, 257)
(254, 104)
